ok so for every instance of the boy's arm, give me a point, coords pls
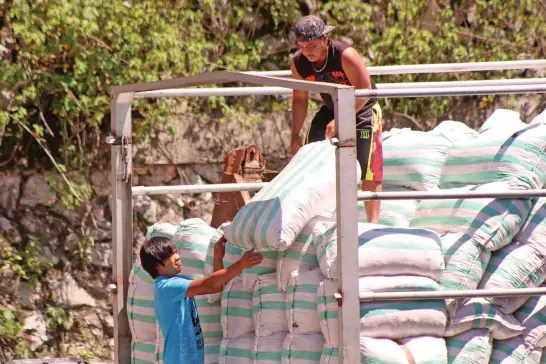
(216, 281)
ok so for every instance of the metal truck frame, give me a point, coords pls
(346, 194)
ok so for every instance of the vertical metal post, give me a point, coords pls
(347, 230)
(122, 221)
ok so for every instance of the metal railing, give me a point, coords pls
(346, 191)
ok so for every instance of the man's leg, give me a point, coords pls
(317, 129)
(370, 156)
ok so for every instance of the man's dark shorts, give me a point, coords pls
(369, 146)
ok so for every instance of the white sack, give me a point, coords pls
(480, 313)
(533, 318)
(276, 215)
(268, 304)
(513, 351)
(236, 316)
(236, 350)
(470, 347)
(383, 251)
(301, 302)
(140, 312)
(268, 349)
(490, 222)
(514, 266)
(302, 349)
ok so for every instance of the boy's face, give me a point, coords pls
(315, 49)
(171, 266)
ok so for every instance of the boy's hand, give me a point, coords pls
(250, 259)
(220, 248)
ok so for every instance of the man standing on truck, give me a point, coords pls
(323, 60)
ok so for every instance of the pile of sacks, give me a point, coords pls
(283, 310)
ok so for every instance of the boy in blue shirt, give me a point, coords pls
(174, 304)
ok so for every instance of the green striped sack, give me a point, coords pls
(209, 317)
(470, 347)
(465, 261)
(192, 239)
(515, 266)
(490, 222)
(237, 350)
(414, 159)
(212, 352)
(384, 250)
(302, 349)
(301, 255)
(138, 274)
(232, 254)
(504, 122)
(236, 316)
(454, 131)
(267, 266)
(514, 351)
(140, 312)
(268, 349)
(396, 213)
(519, 159)
(532, 316)
(301, 302)
(143, 352)
(396, 320)
(268, 307)
(426, 349)
(404, 319)
(478, 313)
(276, 215)
(533, 232)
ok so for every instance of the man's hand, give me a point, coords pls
(220, 249)
(250, 259)
(295, 144)
(331, 129)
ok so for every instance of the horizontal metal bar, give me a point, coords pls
(369, 296)
(453, 91)
(279, 91)
(223, 187)
(447, 195)
(438, 68)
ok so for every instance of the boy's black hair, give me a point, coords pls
(154, 252)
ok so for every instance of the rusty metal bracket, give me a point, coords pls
(339, 298)
(114, 140)
(124, 141)
(335, 142)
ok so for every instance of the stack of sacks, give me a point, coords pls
(473, 327)
(414, 159)
(140, 304)
(521, 264)
(390, 260)
(505, 150)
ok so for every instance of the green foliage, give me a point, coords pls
(85, 249)
(64, 57)
(10, 334)
(26, 264)
(77, 193)
(58, 319)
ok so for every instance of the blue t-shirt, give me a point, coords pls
(179, 322)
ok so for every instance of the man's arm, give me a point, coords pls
(300, 103)
(357, 73)
(216, 281)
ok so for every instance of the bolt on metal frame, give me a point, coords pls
(344, 99)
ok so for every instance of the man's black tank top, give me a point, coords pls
(332, 72)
